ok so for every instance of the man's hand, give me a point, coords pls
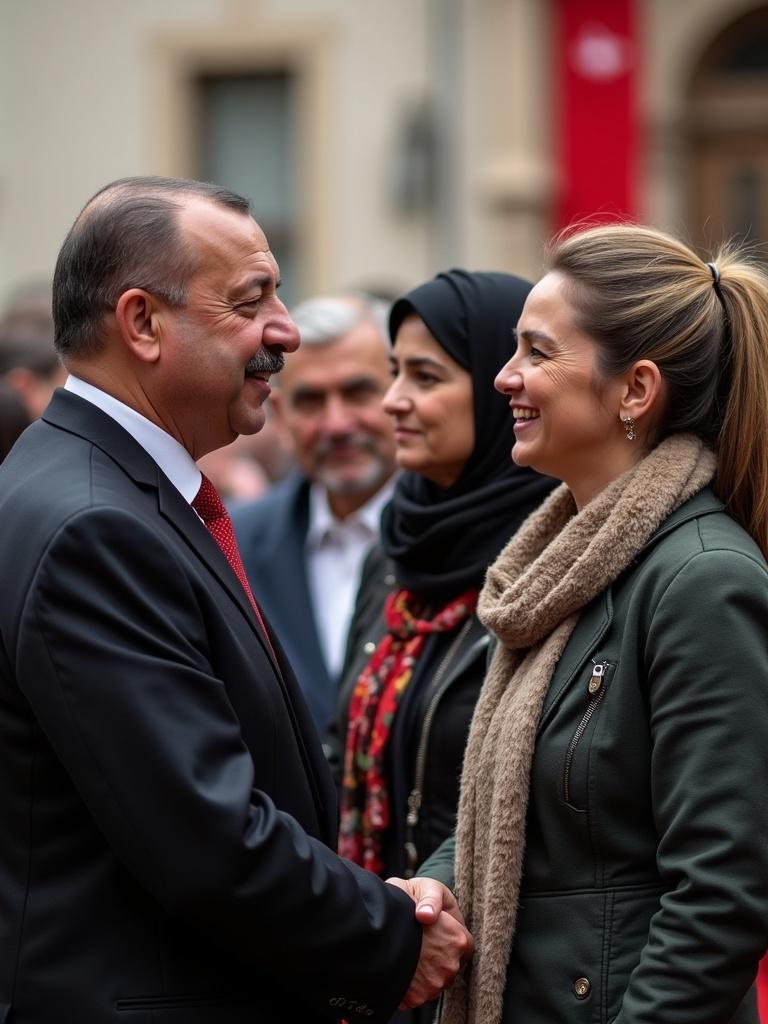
(446, 944)
(430, 897)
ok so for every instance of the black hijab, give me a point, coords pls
(442, 540)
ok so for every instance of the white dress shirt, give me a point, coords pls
(172, 457)
(335, 550)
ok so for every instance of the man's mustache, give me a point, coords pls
(329, 445)
(265, 361)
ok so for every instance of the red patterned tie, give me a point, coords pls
(211, 510)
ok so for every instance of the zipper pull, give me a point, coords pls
(414, 806)
(596, 682)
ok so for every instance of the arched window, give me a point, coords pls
(728, 136)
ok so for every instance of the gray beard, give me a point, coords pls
(376, 474)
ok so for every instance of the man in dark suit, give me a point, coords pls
(167, 816)
(304, 542)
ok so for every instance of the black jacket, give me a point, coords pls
(167, 814)
(428, 737)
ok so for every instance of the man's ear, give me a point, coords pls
(643, 392)
(138, 315)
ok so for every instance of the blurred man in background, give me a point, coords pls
(303, 544)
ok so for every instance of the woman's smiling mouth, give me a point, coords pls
(524, 416)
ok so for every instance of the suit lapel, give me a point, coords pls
(195, 534)
(77, 416)
(74, 414)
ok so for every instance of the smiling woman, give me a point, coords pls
(611, 849)
(564, 407)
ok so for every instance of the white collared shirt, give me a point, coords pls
(172, 457)
(335, 550)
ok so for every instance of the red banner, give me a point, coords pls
(598, 137)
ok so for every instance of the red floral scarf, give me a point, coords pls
(365, 806)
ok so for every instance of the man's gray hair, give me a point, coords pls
(325, 319)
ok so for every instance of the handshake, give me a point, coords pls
(446, 945)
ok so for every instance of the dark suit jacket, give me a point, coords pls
(166, 812)
(271, 533)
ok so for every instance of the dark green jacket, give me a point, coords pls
(645, 886)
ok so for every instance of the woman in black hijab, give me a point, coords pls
(405, 711)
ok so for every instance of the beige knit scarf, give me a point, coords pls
(555, 565)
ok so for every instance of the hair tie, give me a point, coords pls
(716, 285)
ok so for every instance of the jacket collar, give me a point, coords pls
(702, 504)
(475, 645)
(77, 416)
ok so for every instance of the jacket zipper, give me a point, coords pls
(595, 691)
(439, 686)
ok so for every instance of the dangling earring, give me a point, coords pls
(629, 427)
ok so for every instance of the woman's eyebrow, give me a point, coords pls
(417, 361)
(535, 336)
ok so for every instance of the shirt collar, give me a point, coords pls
(322, 520)
(172, 457)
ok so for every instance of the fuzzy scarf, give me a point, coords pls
(552, 568)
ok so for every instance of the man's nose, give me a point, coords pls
(281, 332)
(337, 415)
